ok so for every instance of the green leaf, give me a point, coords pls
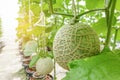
(36, 31)
(30, 47)
(35, 9)
(50, 54)
(67, 1)
(94, 4)
(106, 49)
(45, 7)
(53, 1)
(117, 51)
(118, 5)
(101, 67)
(34, 60)
(59, 4)
(48, 29)
(35, 1)
(118, 35)
(101, 26)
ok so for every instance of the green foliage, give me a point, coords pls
(35, 9)
(117, 52)
(48, 29)
(106, 49)
(35, 1)
(101, 27)
(118, 35)
(26, 31)
(36, 31)
(101, 67)
(58, 4)
(62, 6)
(95, 4)
(34, 60)
(118, 5)
(30, 48)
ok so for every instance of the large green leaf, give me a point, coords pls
(59, 4)
(94, 4)
(117, 51)
(36, 31)
(53, 1)
(35, 9)
(45, 7)
(34, 60)
(35, 1)
(30, 48)
(118, 5)
(48, 29)
(101, 26)
(105, 66)
(67, 1)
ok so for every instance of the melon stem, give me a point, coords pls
(109, 16)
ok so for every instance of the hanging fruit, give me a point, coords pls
(44, 66)
(75, 42)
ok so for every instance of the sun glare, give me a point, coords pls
(8, 14)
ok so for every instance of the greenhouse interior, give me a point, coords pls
(59, 40)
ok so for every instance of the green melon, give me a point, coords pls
(75, 42)
(44, 66)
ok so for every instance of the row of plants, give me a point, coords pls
(33, 37)
(34, 72)
(80, 35)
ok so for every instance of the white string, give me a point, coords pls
(74, 8)
(41, 21)
(30, 14)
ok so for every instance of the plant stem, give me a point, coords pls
(44, 44)
(56, 13)
(107, 16)
(79, 14)
(74, 8)
(75, 13)
(38, 47)
(115, 37)
(51, 6)
(90, 12)
(78, 11)
(109, 22)
(63, 21)
(55, 78)
(109, 4)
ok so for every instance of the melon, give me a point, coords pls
(44, 66)
(75, 42)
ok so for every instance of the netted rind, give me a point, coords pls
(74, 42)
